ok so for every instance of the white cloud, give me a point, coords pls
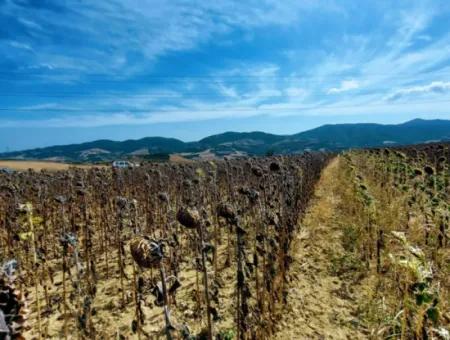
(20, 45)
(202, 112)
(436, 87)
(346, 85)
(227, 91)
(425, 37)
(376, 61)
(102, 32)
(41, 106)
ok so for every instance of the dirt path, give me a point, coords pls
(319, 306)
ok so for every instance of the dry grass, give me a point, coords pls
(384, 297)
(335, 290)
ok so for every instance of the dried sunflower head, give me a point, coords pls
(147, 253)
(189, 217)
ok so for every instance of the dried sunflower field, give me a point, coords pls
(177, 251)
(314, 246)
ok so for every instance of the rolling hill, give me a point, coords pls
(326, 137)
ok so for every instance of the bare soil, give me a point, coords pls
(319, 303)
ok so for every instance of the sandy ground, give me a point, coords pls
(113, 319)
(318, 306)
(36, 165)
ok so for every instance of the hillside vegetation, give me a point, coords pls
(327, 137)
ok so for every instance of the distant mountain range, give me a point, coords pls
(326, 137)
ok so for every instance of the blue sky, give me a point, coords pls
(74, 71)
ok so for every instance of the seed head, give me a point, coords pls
(428, 170)
(189, 217)
(226, 211)
(146, 253)
(274, 166)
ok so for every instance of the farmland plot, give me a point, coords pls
(169, 250)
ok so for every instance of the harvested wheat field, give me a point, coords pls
(40, 165)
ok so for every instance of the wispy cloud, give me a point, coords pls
(76, 36)
(102, 61)
(20, 45)
(346, 85)
(227, 91)
(436, 87)
(44, 106)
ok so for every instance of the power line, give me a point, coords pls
(198, 76)
(230, 109)
(202, 79)
(152, 95)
